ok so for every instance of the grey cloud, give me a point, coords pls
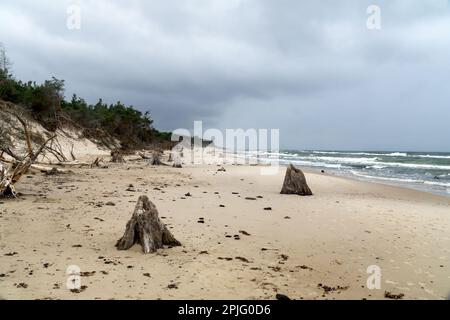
(301, 66)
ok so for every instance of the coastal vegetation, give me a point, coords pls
(46, 103)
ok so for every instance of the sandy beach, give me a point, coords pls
(315, 247)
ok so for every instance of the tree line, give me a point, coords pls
(47, 104)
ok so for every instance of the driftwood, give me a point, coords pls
(295, 182)
(49, 171)
(72, 154)
(56, 150)
(9, 176)
(146, 228)
(96, 162)
(144, 156)
(117, 156)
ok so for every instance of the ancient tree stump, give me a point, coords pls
(156, 159)
(295, 182)
(146, 228)
(117, 156)
(177, 163)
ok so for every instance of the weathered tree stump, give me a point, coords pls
(177, 161)
(295, 182)
(117, 156)
(146, 228)
(156, 159)
(177, 164)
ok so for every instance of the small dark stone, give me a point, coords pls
(282, 297)
(390, 295)
(83, 288)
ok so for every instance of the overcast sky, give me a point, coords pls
(309, 68)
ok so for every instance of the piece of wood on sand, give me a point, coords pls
(146, 229)
(9, 176)
(295, 182)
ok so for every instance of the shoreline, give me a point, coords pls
(381, 182)
(429, 172)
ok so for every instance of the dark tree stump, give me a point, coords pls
(177, 164)
(117, 156)
(295, 182)
(156, 159)
(146, 228)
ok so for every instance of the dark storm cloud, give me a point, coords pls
(311, 69)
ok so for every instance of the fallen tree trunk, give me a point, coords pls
(295, 182)
(10, 176)
(144, 156)
(146, 228)
(48, 170)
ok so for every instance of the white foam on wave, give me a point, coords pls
(435, 183)
(378, 167)
(416, 166)
(392, 154)
(397, 154)
(345, 160)
(385, 178)
(318, 164)
(375, 161)
(402, 180)
(430, 156)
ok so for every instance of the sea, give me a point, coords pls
(426, 171)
